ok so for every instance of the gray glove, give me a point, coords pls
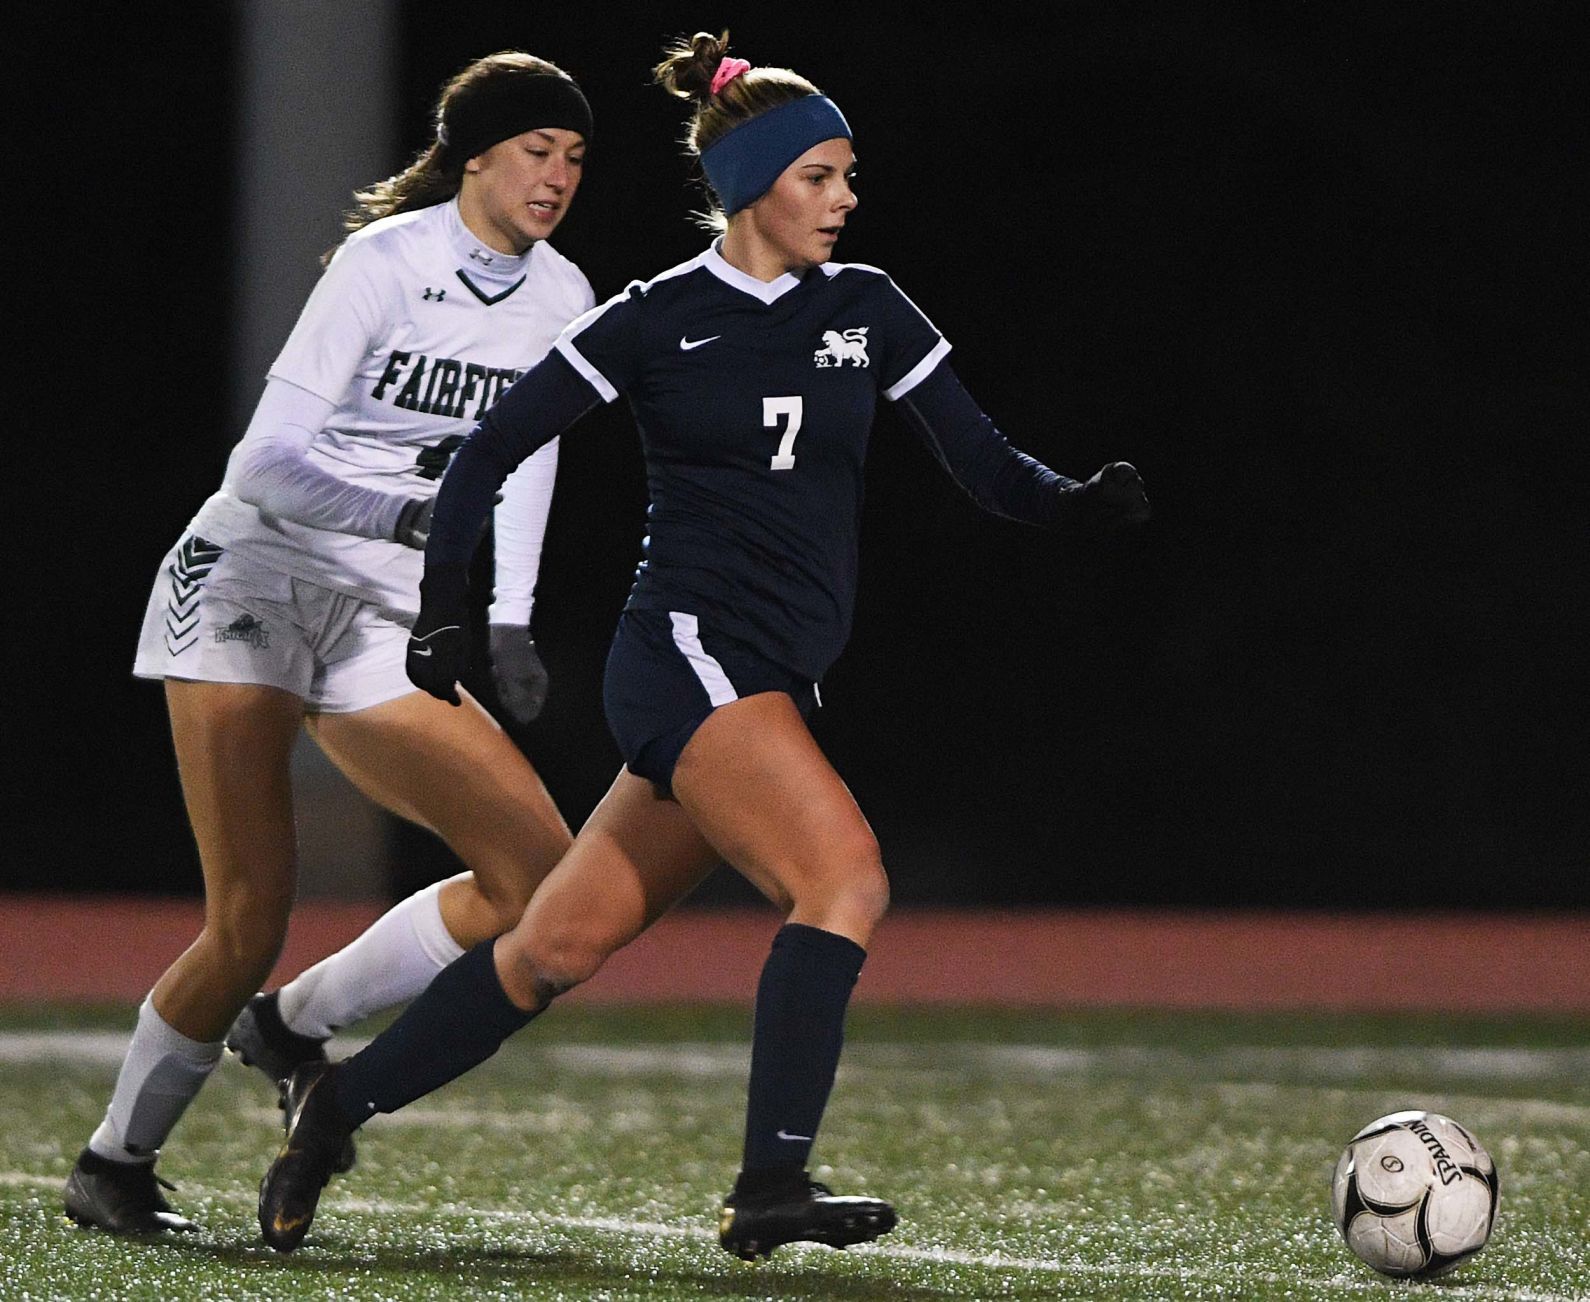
(414, 522)
(517, 672)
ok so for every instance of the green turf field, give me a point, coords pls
(1030, 1156)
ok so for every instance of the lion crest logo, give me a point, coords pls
(842, 346)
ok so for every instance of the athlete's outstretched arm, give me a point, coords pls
(1008, 482)
(542, 403)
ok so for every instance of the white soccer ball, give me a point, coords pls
(1414, 1194)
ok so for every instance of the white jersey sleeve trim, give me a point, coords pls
(594, 377)
(269, 469)
(577, 359)
(520, 524)
(919, 372)
(832, 269)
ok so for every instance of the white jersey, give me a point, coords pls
(414, 330)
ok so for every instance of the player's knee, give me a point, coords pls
(565, 957)
(502, 900)
(849, 878)
(535, 971)
(867, 893)
(569, 936)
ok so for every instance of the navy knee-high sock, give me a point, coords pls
(457, 1022)
(800, 1029)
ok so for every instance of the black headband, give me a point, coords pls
(507, 106)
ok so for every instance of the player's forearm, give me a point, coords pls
(998, 477)
(520, 522)
(270, 469)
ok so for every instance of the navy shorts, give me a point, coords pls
(666, 674)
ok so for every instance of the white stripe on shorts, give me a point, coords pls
(687, 637)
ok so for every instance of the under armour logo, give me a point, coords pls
(437, 294)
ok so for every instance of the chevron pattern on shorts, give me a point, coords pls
(195, 559)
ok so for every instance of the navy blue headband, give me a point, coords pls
(742, 165)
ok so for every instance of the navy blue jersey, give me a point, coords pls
(754, 402)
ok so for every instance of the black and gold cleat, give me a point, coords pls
(316, 1137)
(811, 1213)
(259, 1038)
(122, 1197)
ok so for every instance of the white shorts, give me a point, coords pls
(215, 617)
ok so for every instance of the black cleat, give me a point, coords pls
(316, 1137)
(752, 1228)
(122, 1197)
(259, 1038)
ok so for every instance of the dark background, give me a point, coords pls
(1317, 270)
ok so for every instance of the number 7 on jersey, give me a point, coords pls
(772, 409)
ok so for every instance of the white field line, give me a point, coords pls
(1312, 1069)
(1449, 1289)
(530, 1122)
(1537, 1112)
(710, 1059)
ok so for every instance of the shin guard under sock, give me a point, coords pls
(400, 954)
(800, 1029)
(457, 1022)
(162, 1072)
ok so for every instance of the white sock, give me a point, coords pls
(389, 964)
(159, 1077)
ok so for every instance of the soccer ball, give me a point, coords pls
(1414, 1194)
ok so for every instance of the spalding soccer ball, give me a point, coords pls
(1414, 1194)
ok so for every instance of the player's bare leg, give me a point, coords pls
(634, 858)
(455, 772)
(232, 743)
(758, 787)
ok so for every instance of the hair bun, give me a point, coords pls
(688, 66)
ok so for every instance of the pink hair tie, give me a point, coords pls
(728, 70)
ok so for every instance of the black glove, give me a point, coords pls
(439, 644)
(517, 671)
(414, 522)
(1113, 499)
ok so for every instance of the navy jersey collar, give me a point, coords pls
(763, 291)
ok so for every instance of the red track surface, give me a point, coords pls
(75, 948)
